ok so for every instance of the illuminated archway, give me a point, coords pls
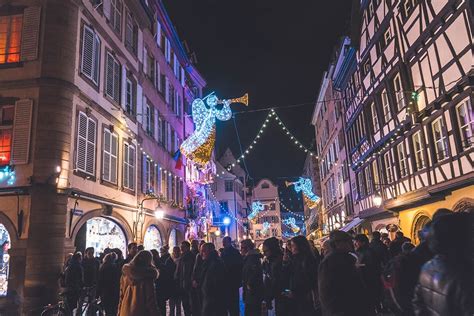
(101, 233)
(418, 223)
(173, 239)
(152, 238)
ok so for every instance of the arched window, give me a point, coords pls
(152, 239)
(172, 240)
(418, 225)
(101, 233)
(4, 260)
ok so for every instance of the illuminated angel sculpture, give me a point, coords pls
(266, 227)
(311, 200)
(199, 146)
(256, 207)
(291, 222)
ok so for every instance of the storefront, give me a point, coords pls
(152, 238)
(101, 233)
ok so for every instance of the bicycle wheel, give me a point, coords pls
(54, 311)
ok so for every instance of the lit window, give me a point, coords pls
(465, 117)
(388, 167)
(148, 175)
(385, 106)
(375, 118)
(131, 96)
(418, 147)
(6, 131)
(440, 139)
(10, 38)
(402, 159)
(397, 87)
(229, 185)
(129, 166)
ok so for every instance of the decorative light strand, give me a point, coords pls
(291, 212)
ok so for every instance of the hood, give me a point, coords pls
(138, 274)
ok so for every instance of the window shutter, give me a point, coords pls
(126, 169)
(30, 33)
(91, 143)
(156, 127)
(167, 88)
(157, 75)
(107, 9)
(113, 158)
(117, 69)
(182, 76)
(96, 59)
(22, 131)
(109, 84)
(87, 62)
(124, 88)
(106, 156)
(131, 173)
(144, 173)
(140, 113)
(145, 61)
(169, 137)
(81, 142)
(158, 33)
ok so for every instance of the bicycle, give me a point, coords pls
(87, 305)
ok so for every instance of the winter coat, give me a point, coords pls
(184, 270)
(108, 287)
(91, 271)
(380, 250)
(213, 283)
(395, 246)
(197, 270)
(137, 291)
(303, 283)
(341, 291)
(370, 272)
(74, 277)
(233, 263)
(165, 284)
(252, 278)
(445, 288)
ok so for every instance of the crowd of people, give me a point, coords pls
(350, 275)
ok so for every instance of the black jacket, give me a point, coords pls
(213, 284)
(233, 263)
(252, 278)
(108, 287)
(91, 271)
(370, 271)
(341, 291)
(166, 285)
(303, 283)
(184, 270)
(444, 288)
(74, 277)
(380, 250)
(272, 278)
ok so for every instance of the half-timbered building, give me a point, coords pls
(410, 117)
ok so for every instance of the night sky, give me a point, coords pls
(276, 52)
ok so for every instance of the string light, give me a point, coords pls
(7, 174)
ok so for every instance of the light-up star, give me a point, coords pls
(199, 146)
(257, 206)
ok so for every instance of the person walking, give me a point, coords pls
(173, 293)
(90, 265)
(196, 277)
(341, 291)
(303, 277)
(108, 287)
(184, 270)
(369, 269)
(274, 278)
(74, 280)
(213, 282)
(132, 249)
(252, 278)
(446, 282)
(379, 249)
(137, 291)
(233, 263)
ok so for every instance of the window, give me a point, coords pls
(225, 205)
(86, 143)
(385, 106)
(361, 182)
(418, 147)
(397, 87)
(388, 167)
(131, 96)
(367, 67)
(465, 118)
(265, 185)
(368, 180)
(116, 15)
(375, 171)
(6, 132)
(375, 118)
(150, 70)
(112, 78)
(164, 186)
(402, 159)
(370, 11)
(129, 166)
(387, 35)
(229, 185)
(148, 175)
(109, 157)
(440, 139)
(131, 34)
(10, 38)
(90, 55)
(409, 7)
(149, 120)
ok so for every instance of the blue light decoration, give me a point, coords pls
(304, 185)
(266, 227)
(291, 222)
(257, 206)
(7, 174)
(199, 146)
(226, 221)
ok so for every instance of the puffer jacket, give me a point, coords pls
(444, 288)
(137, 291)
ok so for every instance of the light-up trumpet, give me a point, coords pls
(243, 99)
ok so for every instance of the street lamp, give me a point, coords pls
(159, 214)
(377, 199)
(226, 221)
(217, 232)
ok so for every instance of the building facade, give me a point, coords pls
(409, 112)
(92, 106)
(312, 218)
(268, 221)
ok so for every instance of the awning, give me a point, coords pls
(352, 224)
